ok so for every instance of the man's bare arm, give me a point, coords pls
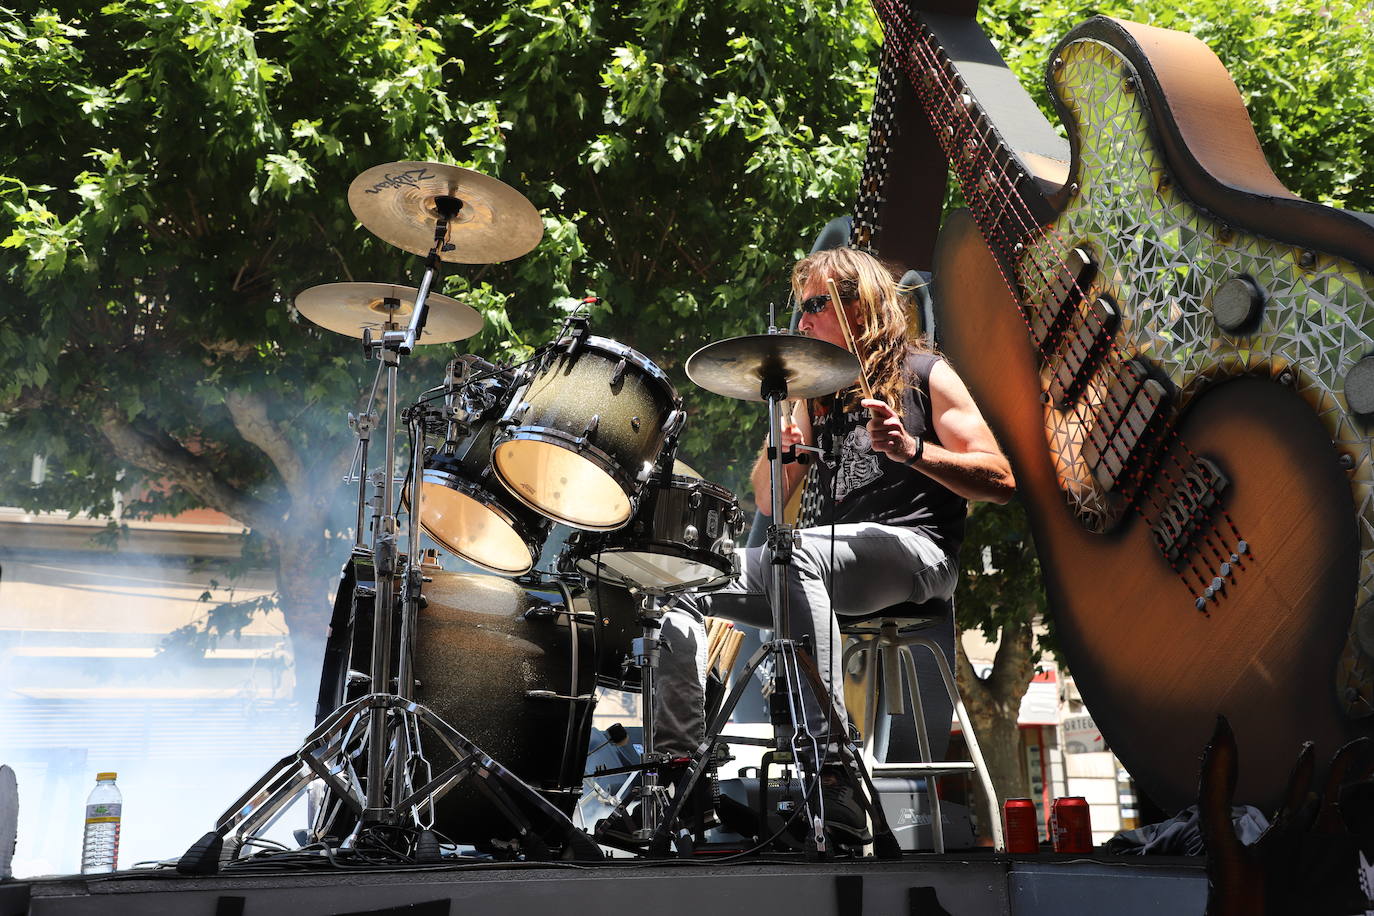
(968, 461)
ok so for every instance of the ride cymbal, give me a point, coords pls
(349, 308)
(399, 202)
(736, 367)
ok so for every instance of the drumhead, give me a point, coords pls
(569, 486)
(655, 571)
(471, 527)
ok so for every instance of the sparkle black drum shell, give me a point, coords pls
(466, 510)
(483, 643)
(682, 536)
(580, 438)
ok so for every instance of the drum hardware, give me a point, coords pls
(384, 729)
(772, 367)
(653, 799)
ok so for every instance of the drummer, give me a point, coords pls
(897, 472)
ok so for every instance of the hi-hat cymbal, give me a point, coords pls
(736, 367)
(349, 308)
(399, 203)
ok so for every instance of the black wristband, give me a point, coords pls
(920, 450)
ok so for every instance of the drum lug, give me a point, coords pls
(516, 416)
(592, 424)
(694, 500)
(645, 472)
(689, 535)
(618, 375)
(673, 424)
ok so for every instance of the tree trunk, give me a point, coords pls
(993, 704)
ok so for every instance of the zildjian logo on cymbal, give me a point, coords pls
(411, 177)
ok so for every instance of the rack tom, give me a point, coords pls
(463, 507)
(681, 537)
(579, 440)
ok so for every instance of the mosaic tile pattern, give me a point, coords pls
(1160, 257)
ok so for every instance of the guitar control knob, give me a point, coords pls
(1236, 305)
(1359, 386)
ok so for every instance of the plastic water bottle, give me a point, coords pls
(100, 845)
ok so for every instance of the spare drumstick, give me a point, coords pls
(838, 303)
(717, 643)
(716, 628)
(730, 653)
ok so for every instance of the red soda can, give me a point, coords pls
(1071, 825)
(1019, 827)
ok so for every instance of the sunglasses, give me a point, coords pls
(814, 305)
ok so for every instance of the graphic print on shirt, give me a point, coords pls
(859, 464)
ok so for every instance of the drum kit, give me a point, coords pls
(423, 665)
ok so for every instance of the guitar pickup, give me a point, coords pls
(1189, 508)
(1084, 344)
(1125, 434)
(1052, 303)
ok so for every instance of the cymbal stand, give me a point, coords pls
(794, 671)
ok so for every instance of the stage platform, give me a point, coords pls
(970, 884)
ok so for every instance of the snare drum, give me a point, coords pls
(464, 508)
(682, 536)
(578, 441)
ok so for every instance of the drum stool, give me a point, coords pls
(886, 639)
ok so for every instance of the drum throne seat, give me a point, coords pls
(885, 640)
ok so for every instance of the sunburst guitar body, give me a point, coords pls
(1175, 352)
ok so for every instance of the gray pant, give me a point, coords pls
(866, 568)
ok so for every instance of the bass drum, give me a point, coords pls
(496, 661)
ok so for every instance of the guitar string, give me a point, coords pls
(966, 170)
(967, 165)
(970, 168)
(992, 221)
(1110, 360)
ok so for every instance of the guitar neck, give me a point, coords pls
(1011, 165)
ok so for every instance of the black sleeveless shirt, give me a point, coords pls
(867, 486)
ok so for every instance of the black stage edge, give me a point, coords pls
(919, 885)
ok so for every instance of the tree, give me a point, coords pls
(174, 172)
(1000, 593)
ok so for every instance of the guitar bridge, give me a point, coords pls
(1189, 509)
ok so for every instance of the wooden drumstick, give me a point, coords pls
(727, 658)
(718, 643)
(715, 631)
(838, 303)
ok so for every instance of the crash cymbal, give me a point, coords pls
(348, 308)
(736, 367)
(399, 203)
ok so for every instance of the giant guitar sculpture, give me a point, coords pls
(1178, 356)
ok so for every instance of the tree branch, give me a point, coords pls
(249, 413)
(164, 456)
